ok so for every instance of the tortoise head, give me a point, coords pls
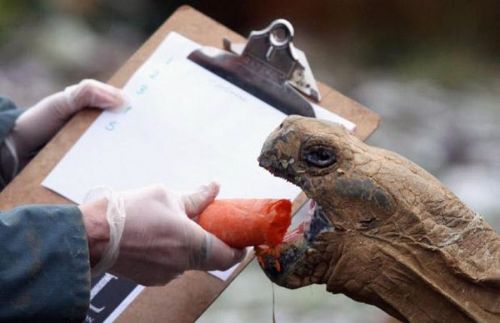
(383, 230)
(326, 162)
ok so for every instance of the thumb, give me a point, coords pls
(196, 202)
(212, 253)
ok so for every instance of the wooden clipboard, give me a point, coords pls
(186, 298)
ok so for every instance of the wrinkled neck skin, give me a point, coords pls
(398, 239)
(413, 248)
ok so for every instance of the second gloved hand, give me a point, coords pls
(35, 127)
(160, 240)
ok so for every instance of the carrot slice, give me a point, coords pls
(247, 222)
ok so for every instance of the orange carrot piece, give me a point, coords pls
(247, 222)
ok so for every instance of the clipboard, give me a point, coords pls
(186, 298)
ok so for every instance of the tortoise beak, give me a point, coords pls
(280, 267)
(293, 265)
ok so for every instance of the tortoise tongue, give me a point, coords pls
(305, 226)
(312, 206)
(289, 259)
(301, 222)
(296, 233)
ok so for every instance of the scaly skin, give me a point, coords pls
(392, 235)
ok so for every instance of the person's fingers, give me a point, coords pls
(210, 253)
(92, 93)
(196, 202)
(105, 95)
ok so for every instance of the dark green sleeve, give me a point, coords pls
(44, 264)
(9, 112)
(8, 162)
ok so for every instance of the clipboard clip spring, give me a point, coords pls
(267, 66)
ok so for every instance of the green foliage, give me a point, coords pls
(11, 13)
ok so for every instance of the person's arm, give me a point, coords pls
(96, 229)
(146, 235)
(44, 264)
(9, 113)
(22, 135)
(44, 250)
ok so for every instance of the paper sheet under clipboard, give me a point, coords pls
(184, 127)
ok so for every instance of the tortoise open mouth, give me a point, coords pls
(309, 225)
(294, 263)
(296, 258)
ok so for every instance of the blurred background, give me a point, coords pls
(430, 68)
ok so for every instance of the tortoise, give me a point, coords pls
(383, 231)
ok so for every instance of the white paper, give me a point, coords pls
(182, 138)
(184, 127)
(322, 113)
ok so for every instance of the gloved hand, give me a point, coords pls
(160, 240)
(40, 123)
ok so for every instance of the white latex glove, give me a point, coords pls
(160, 240)
(35, 127)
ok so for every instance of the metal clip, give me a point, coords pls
(268, 66)
(274, 44)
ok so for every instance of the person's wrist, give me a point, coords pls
(96, 227)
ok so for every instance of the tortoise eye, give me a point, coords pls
(319, 156)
